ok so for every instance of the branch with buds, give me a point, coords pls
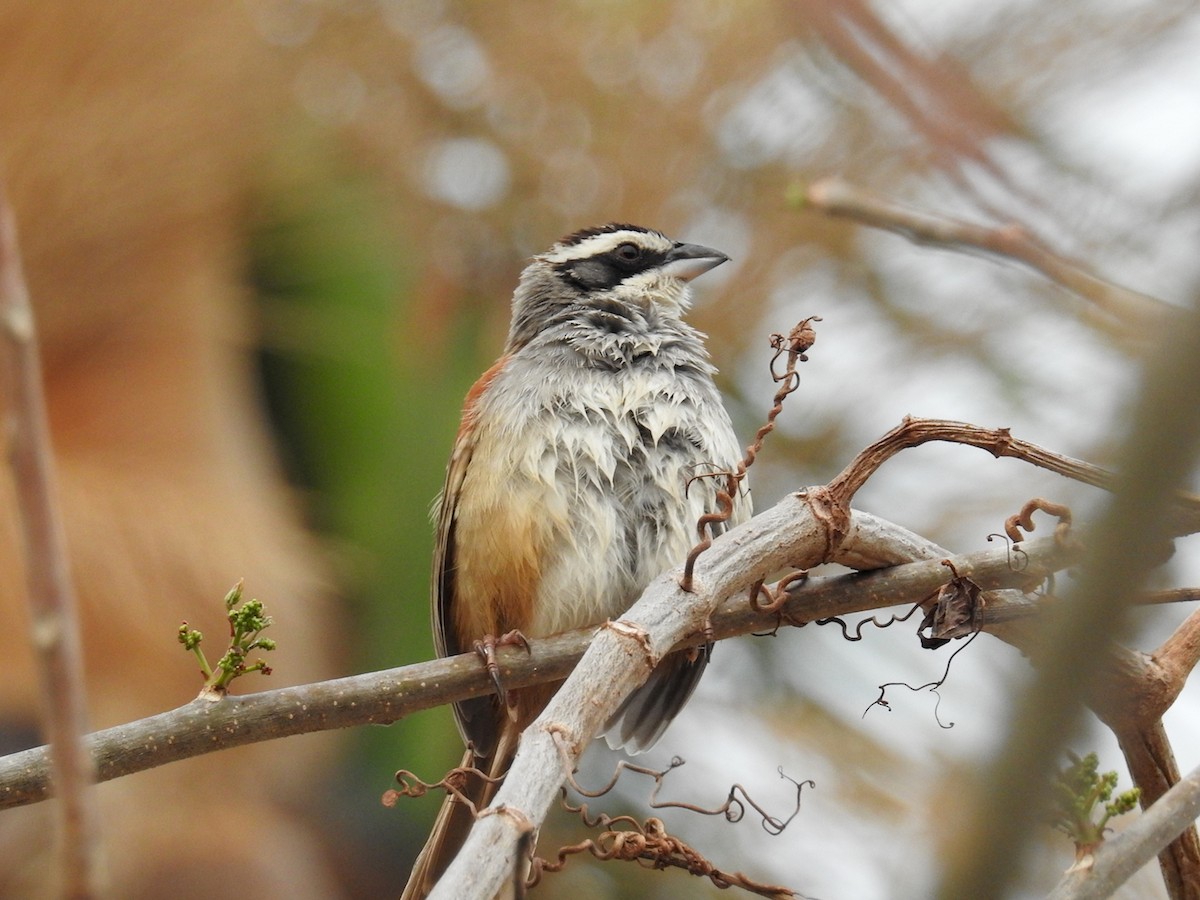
(246, 625)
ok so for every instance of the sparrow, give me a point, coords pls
(585, 457)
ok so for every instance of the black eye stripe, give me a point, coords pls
(593, 273)
(606, 270)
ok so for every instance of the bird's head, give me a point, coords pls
(616, 270)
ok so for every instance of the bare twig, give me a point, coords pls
(1167, 595)
(838, 197)
(1184, 508)
(51, 597)
(1136, 688)
(1180, 653)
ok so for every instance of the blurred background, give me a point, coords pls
(273, 242)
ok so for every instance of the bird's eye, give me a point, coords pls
(629, 252)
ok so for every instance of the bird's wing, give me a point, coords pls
(476, 718)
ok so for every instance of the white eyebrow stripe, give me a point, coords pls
(599, 244)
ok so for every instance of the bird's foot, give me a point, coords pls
(485, 648)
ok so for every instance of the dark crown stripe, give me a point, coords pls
(584, 233)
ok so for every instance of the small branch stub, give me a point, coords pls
(635, 633)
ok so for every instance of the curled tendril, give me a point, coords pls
(648, 842)
(933, 687)
(733, 809)
(793, 347)
(873, 620)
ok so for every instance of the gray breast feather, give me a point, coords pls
(612, 458)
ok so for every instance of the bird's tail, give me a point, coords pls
(455, 818)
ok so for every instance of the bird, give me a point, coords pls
(585, 457)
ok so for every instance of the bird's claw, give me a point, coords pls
(485, 648)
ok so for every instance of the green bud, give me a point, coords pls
(234, 595)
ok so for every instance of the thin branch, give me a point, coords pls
(1168, 595)
(51, 596)
(1180, 652)
(837, 197)
(1184, 508)
(381, 698)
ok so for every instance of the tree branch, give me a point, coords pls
(1137, 689)
(1160, 449)
(1184, 508)
(796, 532)
(381, 698)
(837, 197)
(51, 596)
